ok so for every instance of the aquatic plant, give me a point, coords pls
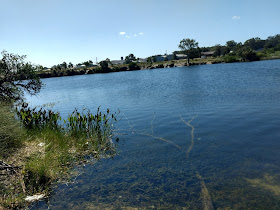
(52, 146)
(32, 118)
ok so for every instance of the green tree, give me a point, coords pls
(272, 41)
(231, 44)
(17, 76)
(70, 65)
(174, 57)
(109, 61)
(225, 50)
(204, 49)
(277, 47)
(194, 53)
(186, 45)
(130, 58)
(150, 59)
(104, 65)
(64, 65)
(238, 46)
(88, 63)
(218, 50)
(254, 43)
(247, 54)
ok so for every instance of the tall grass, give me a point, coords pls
(65, 141)
(56, 144)
(11, 134)
(12, 137)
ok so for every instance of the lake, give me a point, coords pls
(198, 137)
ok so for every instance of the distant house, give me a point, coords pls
(159, 58)
(79, 66)
(181, 56)
(142, 60)
(207, 54)
(93, 65)
(114, 62)
(169, 57)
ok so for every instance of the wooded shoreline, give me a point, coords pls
(141, 66)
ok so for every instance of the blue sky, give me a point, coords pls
(52, 31)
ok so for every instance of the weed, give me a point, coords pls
(55, 145)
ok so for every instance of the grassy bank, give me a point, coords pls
(40, 148)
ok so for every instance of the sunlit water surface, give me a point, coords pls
(195, 137)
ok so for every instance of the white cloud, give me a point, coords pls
(235, 18)
(130, 35)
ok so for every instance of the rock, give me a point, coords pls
(41, 144)
(34, 197)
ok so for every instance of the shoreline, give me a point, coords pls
(139, 66)
(36, 154)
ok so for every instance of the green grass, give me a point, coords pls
(11, 134)
(47, 147)
(12, 137)
(269, 55)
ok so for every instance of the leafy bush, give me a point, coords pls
(78, 124)
(247, 54)
(133, 66)
(32, 118)
(17, 76)
(115, 68)
(230, 59)
(88, 125)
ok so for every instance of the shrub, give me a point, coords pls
(133, 66)
(230, 59)
(80, 137)
(17, 76)
(10, 132)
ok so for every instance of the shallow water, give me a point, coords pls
(195, 137)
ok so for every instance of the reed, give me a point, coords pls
(55, 145)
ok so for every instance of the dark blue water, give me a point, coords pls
(227, 156)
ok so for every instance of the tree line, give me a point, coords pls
(232, 50)
(246, 51)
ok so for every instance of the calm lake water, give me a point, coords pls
(197, 137)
